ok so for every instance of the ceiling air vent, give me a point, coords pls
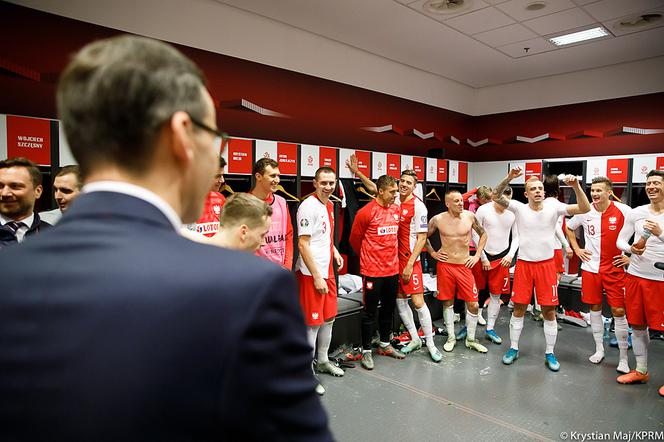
(535, 5)
(640, 21)
(447, 6)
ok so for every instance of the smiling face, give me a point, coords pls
(599, 193)
(66, 188)
(269, 179)
(655, 188)
(17, 193)
(406, 186)
(324, 185)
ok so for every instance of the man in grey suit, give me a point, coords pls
(114, 327)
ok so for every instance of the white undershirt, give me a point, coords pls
(498, 227)
(536, 228)
(643, 265)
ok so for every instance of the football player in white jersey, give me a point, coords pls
(413, 227)
(535, 268)
(644, 286)
(314, 269)
(497, 257)
(602, 268)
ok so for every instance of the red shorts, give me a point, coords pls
(455, 279)
(559, 260)
(317, 308)
(613, 284)
(498, 277)
(541, 276)
(644, 302)
(415, 284)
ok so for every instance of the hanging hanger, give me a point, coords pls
(361, 189)
(226, 188)
(434, 195)
(281, 189)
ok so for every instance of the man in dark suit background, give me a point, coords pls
(20, 188)
(112, 326)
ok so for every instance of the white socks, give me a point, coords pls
(406, 315)
(471, 325)
(516, 325)
(550, 334)
(312, 334)
(597, 326)
(448, 315)
(620, 326)
(424, 316)
(324, 339)
(492, 311)
(640, 341)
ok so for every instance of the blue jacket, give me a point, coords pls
(114, 327)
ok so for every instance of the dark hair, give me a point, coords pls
(324, 169)
(603, 180)
(116, 94)
(551, 186)
(73, 169)
(411, 173)
(35, 174)
(260, 165)
(222, 162)
(655, 172)
(244, 208)
(507, 191)
(385, 181)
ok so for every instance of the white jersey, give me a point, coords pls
(498, 227)
(600, 232)
(317, 220)
(536, 228)
(643, 265)
(413, 219)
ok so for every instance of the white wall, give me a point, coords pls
(253, 37)
(66, 157)
(616, 81)
(3, 137)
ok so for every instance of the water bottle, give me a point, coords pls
(425, 264)
(607, 326)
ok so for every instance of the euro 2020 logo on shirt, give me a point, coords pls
(304, 222)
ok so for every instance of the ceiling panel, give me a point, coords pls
(535, 46)
(505, 35)
(473, 5)
(479, 21)
(517, 8)
(560, 21)
(614, 25)
(607, 9)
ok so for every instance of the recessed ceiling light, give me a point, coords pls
(576, 37)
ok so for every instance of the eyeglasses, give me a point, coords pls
(221, 137)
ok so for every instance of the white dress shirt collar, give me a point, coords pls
(137, 192)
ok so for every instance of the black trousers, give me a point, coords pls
(383, 289)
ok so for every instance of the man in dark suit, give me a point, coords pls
(20, 188)
(114, 327)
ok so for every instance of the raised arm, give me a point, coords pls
(583, 205)
(353, 164)
(497, 194)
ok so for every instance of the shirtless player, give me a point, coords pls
(454, 264)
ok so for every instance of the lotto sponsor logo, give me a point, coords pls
(207, 227)
(388, 230)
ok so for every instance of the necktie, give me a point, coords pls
(13, 226)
